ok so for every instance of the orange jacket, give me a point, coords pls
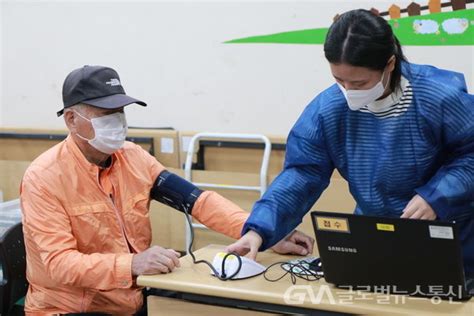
(82, 226)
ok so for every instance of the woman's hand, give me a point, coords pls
(418, 208)
(295, 243)
(248, 245)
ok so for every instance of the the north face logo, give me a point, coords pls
(113, 82)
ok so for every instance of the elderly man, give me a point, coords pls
(86, 201)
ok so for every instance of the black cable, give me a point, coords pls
(221, 276)
(309, 275)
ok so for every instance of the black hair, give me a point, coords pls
(362, 39)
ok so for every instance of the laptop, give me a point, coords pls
(391, 255)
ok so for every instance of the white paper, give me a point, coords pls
(167, 145)
(442, 232)
(185, 140)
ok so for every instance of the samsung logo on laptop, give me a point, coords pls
(342, 249)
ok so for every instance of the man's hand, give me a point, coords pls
(248, 245)
(155, 260)
(418, 208)
(295, 243)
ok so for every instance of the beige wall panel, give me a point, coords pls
(11, 173)
(29, 149)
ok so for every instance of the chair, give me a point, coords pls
(13, 283)
(220, 136)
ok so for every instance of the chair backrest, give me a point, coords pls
(13, 284)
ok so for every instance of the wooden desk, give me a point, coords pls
(196, 281)
(163, 306)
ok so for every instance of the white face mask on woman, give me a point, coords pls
(110, 132)
(356, 99)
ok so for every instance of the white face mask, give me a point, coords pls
(110, 132)
(356, 99)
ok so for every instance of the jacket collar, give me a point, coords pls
(81, 160)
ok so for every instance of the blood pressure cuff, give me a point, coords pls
(174, 191)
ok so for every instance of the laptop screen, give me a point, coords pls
(402, 256)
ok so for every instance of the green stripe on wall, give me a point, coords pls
(402, 27)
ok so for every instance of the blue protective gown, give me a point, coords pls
(424, 145)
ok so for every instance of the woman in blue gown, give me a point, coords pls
(401, 134)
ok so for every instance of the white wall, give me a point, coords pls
(171, 55)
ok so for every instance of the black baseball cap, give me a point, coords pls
(98, 86)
